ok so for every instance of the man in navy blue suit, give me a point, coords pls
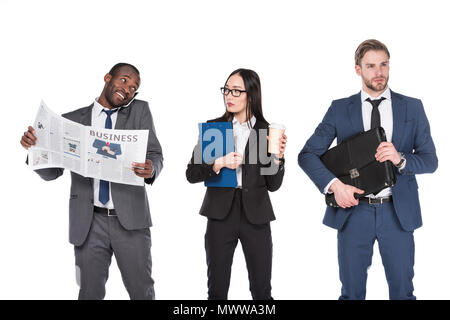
(392, 215)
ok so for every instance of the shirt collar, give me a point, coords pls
(98, 108)
(386, 94)
(252, 122)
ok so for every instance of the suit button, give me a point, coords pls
(245, 190)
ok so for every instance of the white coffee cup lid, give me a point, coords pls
(277, 126)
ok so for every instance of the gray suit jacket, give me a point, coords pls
(130, 202)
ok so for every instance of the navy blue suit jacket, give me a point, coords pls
(411, 136)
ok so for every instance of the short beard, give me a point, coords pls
(108, 98)
(380, 87)
(111, 103)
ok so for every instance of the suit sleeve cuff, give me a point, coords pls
(325, 190)
(403, 165)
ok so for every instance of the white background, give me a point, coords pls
(59, 51)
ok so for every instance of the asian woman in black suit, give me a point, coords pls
(242, 213)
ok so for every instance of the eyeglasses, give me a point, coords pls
(234, 92)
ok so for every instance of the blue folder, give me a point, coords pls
(217, 140)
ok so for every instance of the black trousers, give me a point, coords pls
(221, 239)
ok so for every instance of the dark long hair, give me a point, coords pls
(253, 90)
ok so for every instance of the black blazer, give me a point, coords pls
(255, 197)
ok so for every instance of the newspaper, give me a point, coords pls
(99, 153)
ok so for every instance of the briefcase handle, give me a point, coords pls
(331, 201)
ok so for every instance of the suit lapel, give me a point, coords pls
(252, 142)
(355, 112)
(399, 117)
(122, 116)
(86, 116)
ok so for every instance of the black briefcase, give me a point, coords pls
(353, 162)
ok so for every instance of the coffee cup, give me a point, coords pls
(276, 131)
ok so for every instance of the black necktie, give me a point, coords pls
(375, 117)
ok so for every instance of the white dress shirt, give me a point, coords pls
(387, 122)
(241, 132)
(98, 121)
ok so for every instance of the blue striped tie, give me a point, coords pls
(103, 194)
